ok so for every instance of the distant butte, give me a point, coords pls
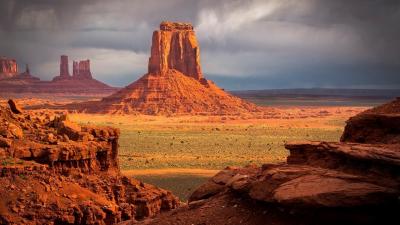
(174, 83)
(81, 81)
(8, 68)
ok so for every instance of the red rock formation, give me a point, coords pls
(8, 68)
(175, 46)
(75, 69)
(321, 183)
(81, 70)
(81, 82)
(174, 83)
(55, 171)
(378, 125)
(64, 68)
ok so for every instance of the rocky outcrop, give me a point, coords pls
(81, 70)
(64, 67)
(320, 183)
(174, 83)
(58, 171)
(80, 83)
(175, 46)
(8, 68)
(378, 125)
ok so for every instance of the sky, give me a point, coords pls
(244, 44)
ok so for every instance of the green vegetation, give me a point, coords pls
(211, 149)
(171, 143)
(152, 145)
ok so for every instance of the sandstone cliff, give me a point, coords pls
(55, 171)
(175, 46)
(174, 83)
(8, 68)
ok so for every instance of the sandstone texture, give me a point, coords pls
(175, 46)
(320, 183)
(53, 171)
(8, 68)
(174, 83)
(378, 125)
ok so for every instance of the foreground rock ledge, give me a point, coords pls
(54, 171)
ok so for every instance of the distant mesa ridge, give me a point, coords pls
(80, 82)
(174, 83)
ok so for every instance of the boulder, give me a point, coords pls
(14, 107)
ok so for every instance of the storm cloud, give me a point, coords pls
(244, 44)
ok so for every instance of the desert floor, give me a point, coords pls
(180, 153)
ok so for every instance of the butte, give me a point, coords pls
(174, 83)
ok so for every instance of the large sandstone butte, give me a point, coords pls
(53, 171)
(355, 182)
(8, 68)
(174, 83)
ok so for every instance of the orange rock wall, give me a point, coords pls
(175, 46)
(8, 68)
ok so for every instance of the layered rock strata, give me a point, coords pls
(56, 171)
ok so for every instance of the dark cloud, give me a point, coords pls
(257, 43)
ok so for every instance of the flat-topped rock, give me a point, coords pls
(170, 26)
(173, 47)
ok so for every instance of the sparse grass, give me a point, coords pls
(209, 142)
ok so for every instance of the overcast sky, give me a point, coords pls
(244, 44)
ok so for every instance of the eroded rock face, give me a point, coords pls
(378, 125)
(320, 183)
(58, 171)
(8, 68)
(81, 70)
(175, 46)
(64, 67)
(174, 83)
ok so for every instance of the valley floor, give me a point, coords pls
(180, 153)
